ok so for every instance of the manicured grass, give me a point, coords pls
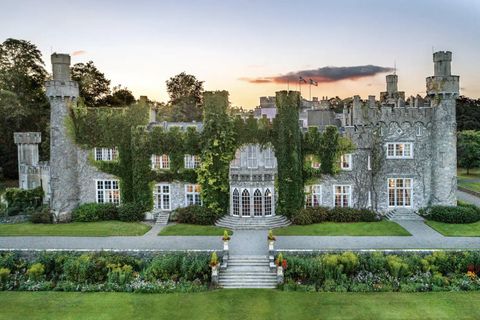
(78, 229)
(183, 229)
(470, 181)
(381, 228)
(456, 229)
(240, 304)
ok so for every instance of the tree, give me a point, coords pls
(468, 149)
(94, 87)
(23, 104)
(120, 97)
(468, 114)
(185, 93)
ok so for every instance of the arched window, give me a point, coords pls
(236, 203)
(257, 203)
(245, 203)
(268, 202)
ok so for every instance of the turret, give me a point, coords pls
(27, 145)
(442, 88)
(392, 84)
(62, 93)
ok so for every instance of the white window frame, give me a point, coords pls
(159, 195)
(236, 203)
(313, 192)
(194, 191)
(252, 156)
(107, 195)
(369, 162)
(191, 161)
(393, 151)
(346, 162)
(342, 194)
(402, 189)
(267, 194)
(105, 154)
(255, 203)
(269, 158)
(159, 162)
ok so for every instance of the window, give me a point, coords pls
(343, 195)
(160, 161)
(162, 196)
(399, 150)
(314, 163)
(346, 161)
(369, 163)
(252, 157)
(400, 192)
(257, 203)
(108, 191)
(245, 203)
(192, 195)
(105, 154)
(191, 161)
(237, 161)
(236, 202)
(419, 131)
(313, 195)
(269, 158)
(268, 202)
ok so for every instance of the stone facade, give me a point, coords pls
(405, 156)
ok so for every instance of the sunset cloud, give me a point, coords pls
(78, 53)
(324, 75)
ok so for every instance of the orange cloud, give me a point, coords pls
(78, 53)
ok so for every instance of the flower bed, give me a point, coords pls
(91, 272)
(370, 272)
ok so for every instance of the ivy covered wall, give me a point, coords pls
(222, 135)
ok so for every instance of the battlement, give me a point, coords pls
(27, 137)
(62, 88)
(442, 63)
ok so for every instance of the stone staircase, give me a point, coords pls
(245, 271)
(252, 223)
(162, 218)
(403, 214)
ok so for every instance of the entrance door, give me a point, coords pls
(257, 203)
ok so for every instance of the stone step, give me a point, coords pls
(252, 223)
(240, 286)
(163, 218)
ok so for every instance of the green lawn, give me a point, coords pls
(83, 229)
(471, 181)
(381, 228)
(239, 304)
(456, 230)
(183, 229)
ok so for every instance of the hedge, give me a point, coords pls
(20, 200)
(463, 213)
(195, 215)
(337, 214)
(90, 212)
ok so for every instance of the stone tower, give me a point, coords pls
(62, 92)
(442, 88)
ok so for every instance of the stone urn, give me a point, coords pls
(279, 274)
(271, 244)
(225, 245)
(215, 273)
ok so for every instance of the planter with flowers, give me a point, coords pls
(214, 264)
(281, 264)
(271, 241)
(225, 238)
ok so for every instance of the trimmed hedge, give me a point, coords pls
(195, 215)
(463, 213)
(20, 200)
(90, 212)
(130, 212)
(324, 214)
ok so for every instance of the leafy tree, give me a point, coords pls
(468, 114)
(468, 149)
(185, 93)
(94, 87)
(23, 105)
(120, 97)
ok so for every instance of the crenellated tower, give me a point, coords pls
(443, 90)
(62, 92)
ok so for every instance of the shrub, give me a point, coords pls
(19, 200)
(78, 268)
(451, 214)
(164, 267)
(42, 215)
(396, 266)
(337, 214)
(90, 212)
(119, 274)
(196, 215)
(35, 272)
(130, 212)
(4, 274)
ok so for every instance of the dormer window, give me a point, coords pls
(105, 154)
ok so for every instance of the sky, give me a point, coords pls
(251, 48)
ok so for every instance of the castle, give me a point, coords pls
(405, 156)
